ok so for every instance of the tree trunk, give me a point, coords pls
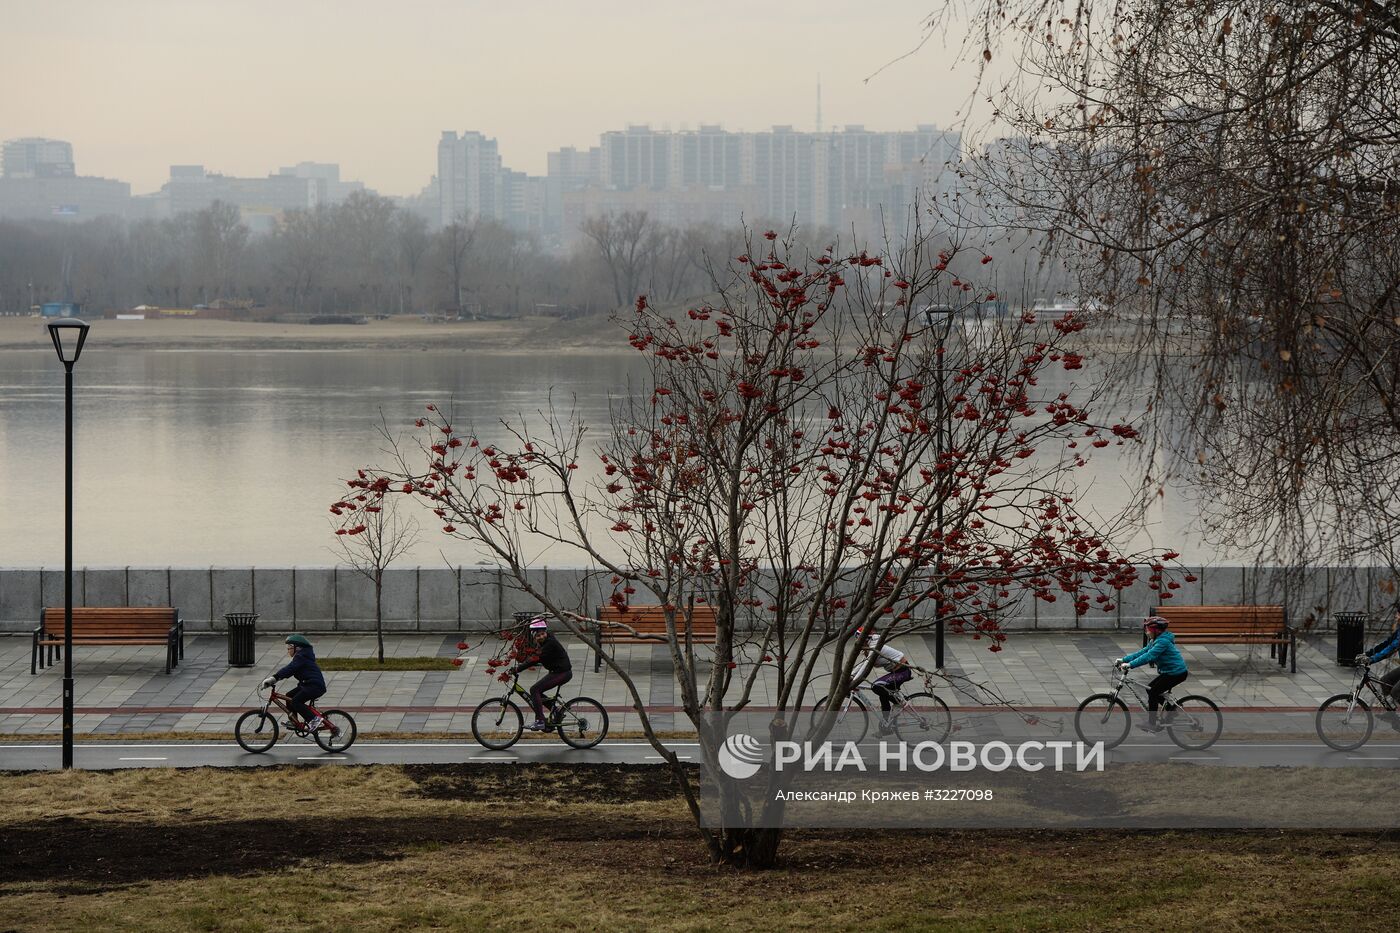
(755, 848)
(379, 613)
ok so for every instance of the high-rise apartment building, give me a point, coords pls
(36, 158)
(470, 178)
(851, 177)
(637, 157)
(570, 170)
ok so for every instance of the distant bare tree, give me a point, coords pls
(710, 247)
(371, 535)
(303, 252)
(366, 224)
(627, 243)
(413, 240)
(672, 271)
(219, 238)
(454, 245)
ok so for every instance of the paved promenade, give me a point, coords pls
(123, 690)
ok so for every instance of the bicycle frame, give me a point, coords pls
(280, 701)
(551, 698)
(1366, 680)
(1137, 690)
(901, 703)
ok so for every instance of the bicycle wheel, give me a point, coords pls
(1344, 722)
(497, 724)
(852, 722)
(1194, 723)
(256, 731)
(583, 722)
(923, 718)
(1102, 718)
(337, 732)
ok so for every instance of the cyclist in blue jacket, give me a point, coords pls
(1162, 653)
(311, 683)
(1392, 677)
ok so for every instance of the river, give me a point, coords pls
(194, 458)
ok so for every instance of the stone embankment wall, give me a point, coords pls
(469, 599)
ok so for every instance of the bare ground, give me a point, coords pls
(609, 847)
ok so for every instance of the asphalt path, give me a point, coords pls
(115, 755)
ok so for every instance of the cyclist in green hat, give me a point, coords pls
(311, 683)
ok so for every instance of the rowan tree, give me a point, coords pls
(808, 455)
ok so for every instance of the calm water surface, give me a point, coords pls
(230, 458)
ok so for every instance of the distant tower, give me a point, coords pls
(819, 102)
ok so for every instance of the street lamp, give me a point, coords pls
(68, 335)
(944, 435)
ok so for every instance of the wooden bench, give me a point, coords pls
(109, 626)
(650, 624)
(1233, 625)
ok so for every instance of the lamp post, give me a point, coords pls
(68, 338)
(944, 435)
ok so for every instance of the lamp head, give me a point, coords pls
(68, 335)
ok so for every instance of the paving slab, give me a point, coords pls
(124, 689)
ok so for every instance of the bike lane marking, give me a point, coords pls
(424, 744)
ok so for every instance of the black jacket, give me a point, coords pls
(552, 655)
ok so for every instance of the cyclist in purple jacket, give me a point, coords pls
(550, 654)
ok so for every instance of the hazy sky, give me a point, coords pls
(244, 86)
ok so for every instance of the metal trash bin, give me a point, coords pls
(1351, 636)
(242, 633)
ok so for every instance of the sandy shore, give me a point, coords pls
(527, 335)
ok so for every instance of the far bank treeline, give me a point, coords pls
(367, 256)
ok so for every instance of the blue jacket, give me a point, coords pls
(1161, 651)
(304, 668)
(1386, 648)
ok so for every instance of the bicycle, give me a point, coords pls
(498, 723)
(918, 717)
(1192, 722)
(1345, 722)
(257, 730)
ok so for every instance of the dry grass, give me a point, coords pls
(434, 854)
(163, 794)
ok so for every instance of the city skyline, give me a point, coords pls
(844, 177)
(134, 95)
